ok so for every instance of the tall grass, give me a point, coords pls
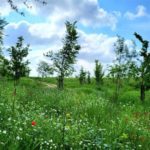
(79, 117)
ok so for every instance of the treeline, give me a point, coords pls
(129, 63)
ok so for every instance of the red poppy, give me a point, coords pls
(33, 123)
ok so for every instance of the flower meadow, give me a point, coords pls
(37, 117)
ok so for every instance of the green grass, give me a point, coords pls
(79, 117)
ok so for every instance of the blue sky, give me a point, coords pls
(99, 21)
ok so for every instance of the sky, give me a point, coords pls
(98, 24)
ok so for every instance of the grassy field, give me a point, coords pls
(79, 117)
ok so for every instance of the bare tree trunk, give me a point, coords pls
(142, 90)
(142, 97)
(117, 89)
(60, 83)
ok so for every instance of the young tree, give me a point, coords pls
(88, 77)
(3, 61)
(3, 23)
(120, 67)
(144, 68)
(44, 69)
(98, 72)
(82, 76)
(64, 59)
(19, 67)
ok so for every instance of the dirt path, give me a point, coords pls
(49, 85)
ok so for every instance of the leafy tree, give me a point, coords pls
(118, 70)
(88, 77)
(144, 68)
(3, 23)
(3, 61)
(4, 67)
(82, 76)
(18, 66)
(64, 59)
(98, 72)
(44, 69)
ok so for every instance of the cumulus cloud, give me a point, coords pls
(44, 36)
(4, 8)
(38, 35)
(140, 12)
(97, 46)
(87, 12)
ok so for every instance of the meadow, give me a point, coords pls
(78, 117)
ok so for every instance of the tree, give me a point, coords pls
(82, 76)
(144, 68)
(88, 77)
(4, 67)
(18, 66)
(119, 69)
(14, 6)
(98, 72)
(3, 61)
(3, 23)
(44, 69)
(64, 59)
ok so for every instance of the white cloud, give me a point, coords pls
(86, 12)
(45, 36)
(37, 35)
(140, 12)
(4, 8)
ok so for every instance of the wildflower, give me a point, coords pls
(18, 138)
(9, 119)
(20, 129)
(67, 128)
(4, 131)
(140, 146)
(33, 123)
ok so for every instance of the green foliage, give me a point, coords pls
(19, 67)
(98, 72)
(4, 67)
(3, 23)
(144, 68)
(3, 61)
(119, 69)
(44, 69)
(64, 59)
(88, 78)
(82, 76)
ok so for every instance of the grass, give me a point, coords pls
(79, 117)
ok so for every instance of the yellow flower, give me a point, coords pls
(68, 115)
(124, 136)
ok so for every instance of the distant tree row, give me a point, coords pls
(85, 77)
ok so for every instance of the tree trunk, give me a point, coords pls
(60, 84)
(117, 88)
(142, 96)
(142, 92)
